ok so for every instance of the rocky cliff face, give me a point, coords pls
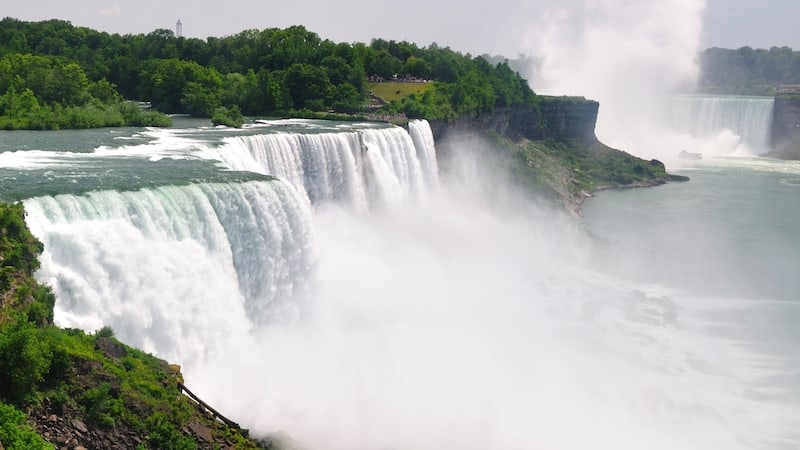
(550, 149)
(785, 132)
(559, 118)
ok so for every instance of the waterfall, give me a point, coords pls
(152, 262)
(329, 305)
(174, 268)
(360, 167)
(747, 118)
(422, 135)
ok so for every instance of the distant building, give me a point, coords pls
(179, 28)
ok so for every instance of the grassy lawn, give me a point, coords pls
(395, 90)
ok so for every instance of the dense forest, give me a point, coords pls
(51, 70)
(748, 71)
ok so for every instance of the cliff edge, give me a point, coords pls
(785, 129)
(550, 148)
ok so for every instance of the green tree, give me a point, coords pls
(24, 359)
(242, 90)
(308, 86)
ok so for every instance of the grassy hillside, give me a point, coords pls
(397, 90)
(570, 171)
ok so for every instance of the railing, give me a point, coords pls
(211, 410)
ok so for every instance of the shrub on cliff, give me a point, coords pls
(24, 359)
(15, 433)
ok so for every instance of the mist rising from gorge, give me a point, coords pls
(626, 55)
(470, 318)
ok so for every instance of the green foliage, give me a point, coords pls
(174, 85)
(102, 405)
(45, 93)
(347, 99)
(565, 170)
(19, 248)
(16, 434)
(105, 332)
(24, 359)
(748, 71)
(308, 86)
(229, 117)
(397, 90)
(164, 435)
(138, 117)
(263, 72)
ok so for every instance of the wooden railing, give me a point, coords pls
(211, 410)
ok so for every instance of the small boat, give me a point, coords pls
(689, 155)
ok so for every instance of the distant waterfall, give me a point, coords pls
(173, 268)
(355, 167)
(749, 118)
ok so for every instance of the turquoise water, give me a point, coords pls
(727, 244)
(733, 230)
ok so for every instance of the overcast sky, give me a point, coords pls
(496, 26)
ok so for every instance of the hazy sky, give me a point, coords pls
(496, 26)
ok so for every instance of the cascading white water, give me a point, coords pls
(325, 166)
(746, 120)
(173, 269)
(241, 252)
(422, 135)
(373, 165)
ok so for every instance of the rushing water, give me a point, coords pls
(358, 300)
(745, 121)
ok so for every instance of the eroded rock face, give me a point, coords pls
(785, 131)
(557, 118)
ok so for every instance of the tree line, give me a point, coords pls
(258, 72)
(747, 70)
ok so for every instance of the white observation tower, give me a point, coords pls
(178, 28)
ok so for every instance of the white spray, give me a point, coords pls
(626, 55)
(462, 321)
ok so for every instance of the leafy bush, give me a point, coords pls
(15, 433)
(105, 332)
(164, 434)
(24, 359)
(102, 405)
(230, 117)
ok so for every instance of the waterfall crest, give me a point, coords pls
(153, 263)
(360, 167)
(232, 255)
(747, 118)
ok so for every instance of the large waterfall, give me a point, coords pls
(171, 267)
(357, 167)
(357, 301)
(161, 259)
(743, 121)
